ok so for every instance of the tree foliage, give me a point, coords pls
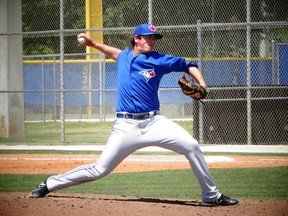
(44, 15)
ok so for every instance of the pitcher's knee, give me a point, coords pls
(192, 148)
(101, 171)
(94, 172)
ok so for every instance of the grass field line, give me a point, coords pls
(209, 159)
(204, 147)
(272, 160)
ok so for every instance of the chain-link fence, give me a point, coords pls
(240, 46)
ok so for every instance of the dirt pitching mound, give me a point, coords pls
(79, 204)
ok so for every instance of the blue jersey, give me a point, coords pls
(139, 79)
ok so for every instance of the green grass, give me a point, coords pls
(75, 132)
(243, 184)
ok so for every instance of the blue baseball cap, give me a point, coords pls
(147, 29)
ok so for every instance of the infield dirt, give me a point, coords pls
(79, 204)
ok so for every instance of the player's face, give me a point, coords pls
(145, 44)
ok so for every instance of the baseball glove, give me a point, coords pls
(190, 88)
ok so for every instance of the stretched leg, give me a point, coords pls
(175, 138)
(120, 144)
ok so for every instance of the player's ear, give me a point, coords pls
(137, 38)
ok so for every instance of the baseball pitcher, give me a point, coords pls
(138, 121)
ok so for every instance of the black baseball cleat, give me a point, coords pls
(222, 201)
(40, 191)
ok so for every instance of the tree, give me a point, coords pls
(44, 15)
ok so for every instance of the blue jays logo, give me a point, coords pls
(148, 74)
(152, 28)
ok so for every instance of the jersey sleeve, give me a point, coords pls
(191, 64)
(176, 64)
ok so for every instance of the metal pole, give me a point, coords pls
(213, 28)
(248, 47)
(150, 11)
(89, 57)
(89, 108)
(62, 116)
(43, 89)
(101, 105)
(273, 63)
(103, 62)
(200, 58)
(54, 88)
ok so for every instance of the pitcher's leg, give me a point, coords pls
(179, 140)
(200, 169)
(192, 152)
(75, 176)
(119, 145)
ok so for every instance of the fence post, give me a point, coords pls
(200, 58)
(248, 71)
(54, 91)
(274, 80)
(103, 68)
(43, 90)
(89, 74)
(150, 11)
(62, 115)
(101, 83)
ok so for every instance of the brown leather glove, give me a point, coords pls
(190, 88)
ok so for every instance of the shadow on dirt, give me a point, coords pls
(127, 199)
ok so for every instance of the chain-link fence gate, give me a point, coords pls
(240, 46)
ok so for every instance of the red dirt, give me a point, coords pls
(76, 204)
